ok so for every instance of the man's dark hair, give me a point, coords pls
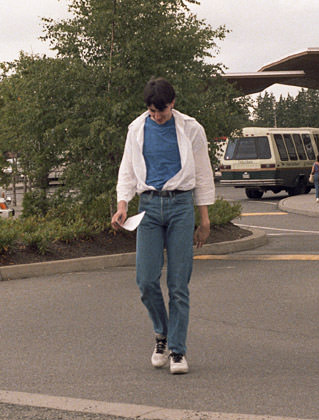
(158, 92)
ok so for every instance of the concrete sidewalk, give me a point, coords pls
(25, 406)
(301, 204)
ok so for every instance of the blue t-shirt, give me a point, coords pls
(161, 152)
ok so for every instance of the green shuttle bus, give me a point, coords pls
(270, 159)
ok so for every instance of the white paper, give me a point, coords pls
(132, 222)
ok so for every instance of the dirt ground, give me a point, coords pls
(105, 243)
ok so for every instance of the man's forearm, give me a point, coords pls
(203, 214)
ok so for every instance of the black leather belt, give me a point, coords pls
(164, 193)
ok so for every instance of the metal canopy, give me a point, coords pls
(300, 69)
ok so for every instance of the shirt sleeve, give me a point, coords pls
(126, 184)
(204, 193)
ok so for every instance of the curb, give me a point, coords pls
(22, 271)
(284, 206)
(120, 410)
(256, 239)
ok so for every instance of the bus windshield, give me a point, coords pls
(243, 148)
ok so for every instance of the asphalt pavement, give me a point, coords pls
(17, 405)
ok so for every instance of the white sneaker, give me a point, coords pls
(178, 363)
(160, 353)
(317, 200)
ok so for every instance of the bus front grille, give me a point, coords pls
(252, 182)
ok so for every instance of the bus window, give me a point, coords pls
(316, 136)
(281, 147)
(230, 149)
(263, 149)
(308, 146)
(248, 148)
(290, 147)
(299, 146)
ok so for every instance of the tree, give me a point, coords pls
(74, 110)
(124, 43)
(307, 104)
(39, 96)
(299, 111)
(9, 129)
(265, 111)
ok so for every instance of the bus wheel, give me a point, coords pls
(253, 193)
(300, 188)
(295, 191)
(291, 191)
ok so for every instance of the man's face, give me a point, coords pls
(161, 117)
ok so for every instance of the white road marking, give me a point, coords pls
(284, 234)
(310, 232)
(272, 203)
(268, 213)
(262, 257)
(123, 410)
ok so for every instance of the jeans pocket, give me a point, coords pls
(184, 198)
(144, 201)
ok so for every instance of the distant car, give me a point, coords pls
(5, 211)
(8, 170)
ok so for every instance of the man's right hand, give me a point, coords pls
(120, 216)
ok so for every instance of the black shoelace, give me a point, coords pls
(161, 345)
(177, 357)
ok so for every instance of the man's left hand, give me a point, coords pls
(201, 235)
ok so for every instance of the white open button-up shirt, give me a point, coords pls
(196, 171)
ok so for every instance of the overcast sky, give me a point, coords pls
(262, 31)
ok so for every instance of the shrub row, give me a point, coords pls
(70, 223)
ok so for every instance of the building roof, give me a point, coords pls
(299, 69)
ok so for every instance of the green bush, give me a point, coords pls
(79, 229)
(8, 235)
(221, 212)
(70, 221)
(34, 203)
(68, 211)
(37, 240)
(37, 233)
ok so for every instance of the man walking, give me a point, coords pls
(166, 163)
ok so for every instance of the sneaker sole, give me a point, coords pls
(179, 370)
(159, 366)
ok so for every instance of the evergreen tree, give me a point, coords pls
(264, 113)
(299, 111)
(307, 102)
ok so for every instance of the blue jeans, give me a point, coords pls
(168, 223)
